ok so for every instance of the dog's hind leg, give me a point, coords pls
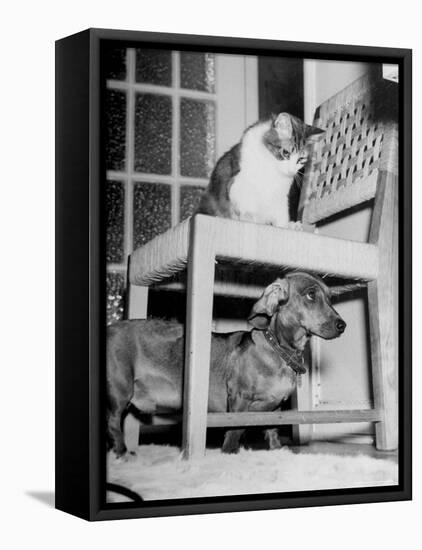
(119, 391)
(115, 437)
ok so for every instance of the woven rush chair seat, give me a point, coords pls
(256, 245)
(355, 161)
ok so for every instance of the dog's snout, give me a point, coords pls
(340, 326)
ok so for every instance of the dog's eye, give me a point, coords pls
(310, 295)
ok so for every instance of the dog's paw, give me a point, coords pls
(274, 444)
(230, 445)
(273, 439)
(121, 459)
(230, 449)
(124, 457)
(296, 226)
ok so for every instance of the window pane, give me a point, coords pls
(151, 211)
(116, 295)
(197, 71)
(116, 130)
(115, 198)
(153, 67)
(115, 64)
(190, 196)
(153, 123)
(197, 138)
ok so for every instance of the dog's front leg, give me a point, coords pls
(231, 443)
(236, 403)
(273, 438)
(271, 435)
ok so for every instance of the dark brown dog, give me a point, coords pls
(250, 370)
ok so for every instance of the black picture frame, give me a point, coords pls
(80, 265)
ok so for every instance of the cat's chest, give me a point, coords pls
(260, 194)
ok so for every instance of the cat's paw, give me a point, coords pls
(296, 226)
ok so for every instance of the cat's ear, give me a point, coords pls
(312, 131)
(283, 125)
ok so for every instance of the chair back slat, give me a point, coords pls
(345, 161)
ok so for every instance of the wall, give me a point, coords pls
(333, 76)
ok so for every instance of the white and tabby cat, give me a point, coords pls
(252, 181)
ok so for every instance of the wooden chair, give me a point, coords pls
(355, 161)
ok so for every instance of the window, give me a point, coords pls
(168, 115)
(160, 149)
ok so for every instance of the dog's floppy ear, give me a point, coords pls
(266, 306)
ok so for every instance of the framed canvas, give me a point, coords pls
(233, 274)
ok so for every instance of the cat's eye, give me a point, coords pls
(285, 153)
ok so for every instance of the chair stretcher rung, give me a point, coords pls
(220, 289)
(291, 417)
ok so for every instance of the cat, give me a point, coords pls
(252, 181)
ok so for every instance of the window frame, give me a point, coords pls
(237, 103)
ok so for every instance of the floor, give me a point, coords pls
(254, 439)
(344, 449)
(158, 471)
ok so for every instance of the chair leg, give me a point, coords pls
(138, 302)
(302, 398)
(383, 318)
(137, 309)
(200, 288)
(384, 361)
(300, 401)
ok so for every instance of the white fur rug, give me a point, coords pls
(159, 472)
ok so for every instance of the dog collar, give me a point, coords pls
(293, 359)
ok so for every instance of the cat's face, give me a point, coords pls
(288, 140)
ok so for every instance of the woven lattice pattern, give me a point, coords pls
(345, 161)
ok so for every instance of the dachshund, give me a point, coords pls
(252, 370)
